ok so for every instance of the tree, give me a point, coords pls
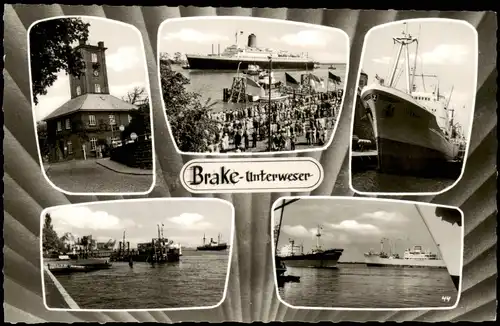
(177, 57)
(51, 51)
(50, 240)
(140, 123)
(189, 120)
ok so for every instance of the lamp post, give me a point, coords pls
(269, 111)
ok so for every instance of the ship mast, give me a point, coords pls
(278, 229)
(203, 238)
(403, 42)
(318, 235)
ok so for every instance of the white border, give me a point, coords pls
(263, 20)
(473, 104)
(233, 226)
(230, 161)
(408, 202)
(148, 88)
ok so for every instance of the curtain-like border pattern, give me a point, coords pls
(251, 293)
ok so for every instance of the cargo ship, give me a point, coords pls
(212, 245)
(235, 57)
(294, 256)
(413, 130)
(414, 257)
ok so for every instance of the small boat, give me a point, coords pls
(253, 70)
(332, 67)
(185, 66)
(82, 266)
(63, 257)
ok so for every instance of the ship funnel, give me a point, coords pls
(218, 49)
(252, 41)
(212, 49)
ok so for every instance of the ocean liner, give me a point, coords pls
(294, 256)
(234, 57)
(414, 257)
(413, 129)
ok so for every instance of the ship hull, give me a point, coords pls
(374, 261)
(327, 259)
(212, 248)
(222, 63)
(409, 140)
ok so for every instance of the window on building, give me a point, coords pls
(70, 147)
(129, 118)
(112, 120)
(92, 120)
(94, 57)
(59, 126)
(78, 91)
(97, 88)
(93, 144)
(68, 124)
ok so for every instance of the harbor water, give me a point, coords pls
(359, 286)
(374, 181)
(210, 83)
(197, 280)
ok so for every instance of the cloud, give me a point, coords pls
(443, 54)
(191, 35)
(446, 54)
(306, 38)
(384, 216)
(125, 58)
(190, 221)
(122, 90)
(297, 230)
(352, 226)
(66, 219)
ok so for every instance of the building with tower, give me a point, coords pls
(90, 122)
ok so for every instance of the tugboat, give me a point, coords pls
(212, 245)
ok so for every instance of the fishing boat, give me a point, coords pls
(234, 56)
(413, 129)
(294, 256)
(212, 245)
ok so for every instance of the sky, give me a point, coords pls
(445, 49)
(185, 221)
(125, 62)
(359, 225)
(196, 36)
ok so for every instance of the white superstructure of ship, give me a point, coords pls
(412, 257)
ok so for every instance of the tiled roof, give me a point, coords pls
(92, 102)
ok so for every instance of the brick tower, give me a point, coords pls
(95, 77)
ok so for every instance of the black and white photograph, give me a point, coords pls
(137, 254)
(90, 94)
(352, 253)
(249, 85)
(414, 106)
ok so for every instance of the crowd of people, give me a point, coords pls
(305, 120)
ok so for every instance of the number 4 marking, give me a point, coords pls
(445, 298)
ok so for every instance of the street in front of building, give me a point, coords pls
(98, 176)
